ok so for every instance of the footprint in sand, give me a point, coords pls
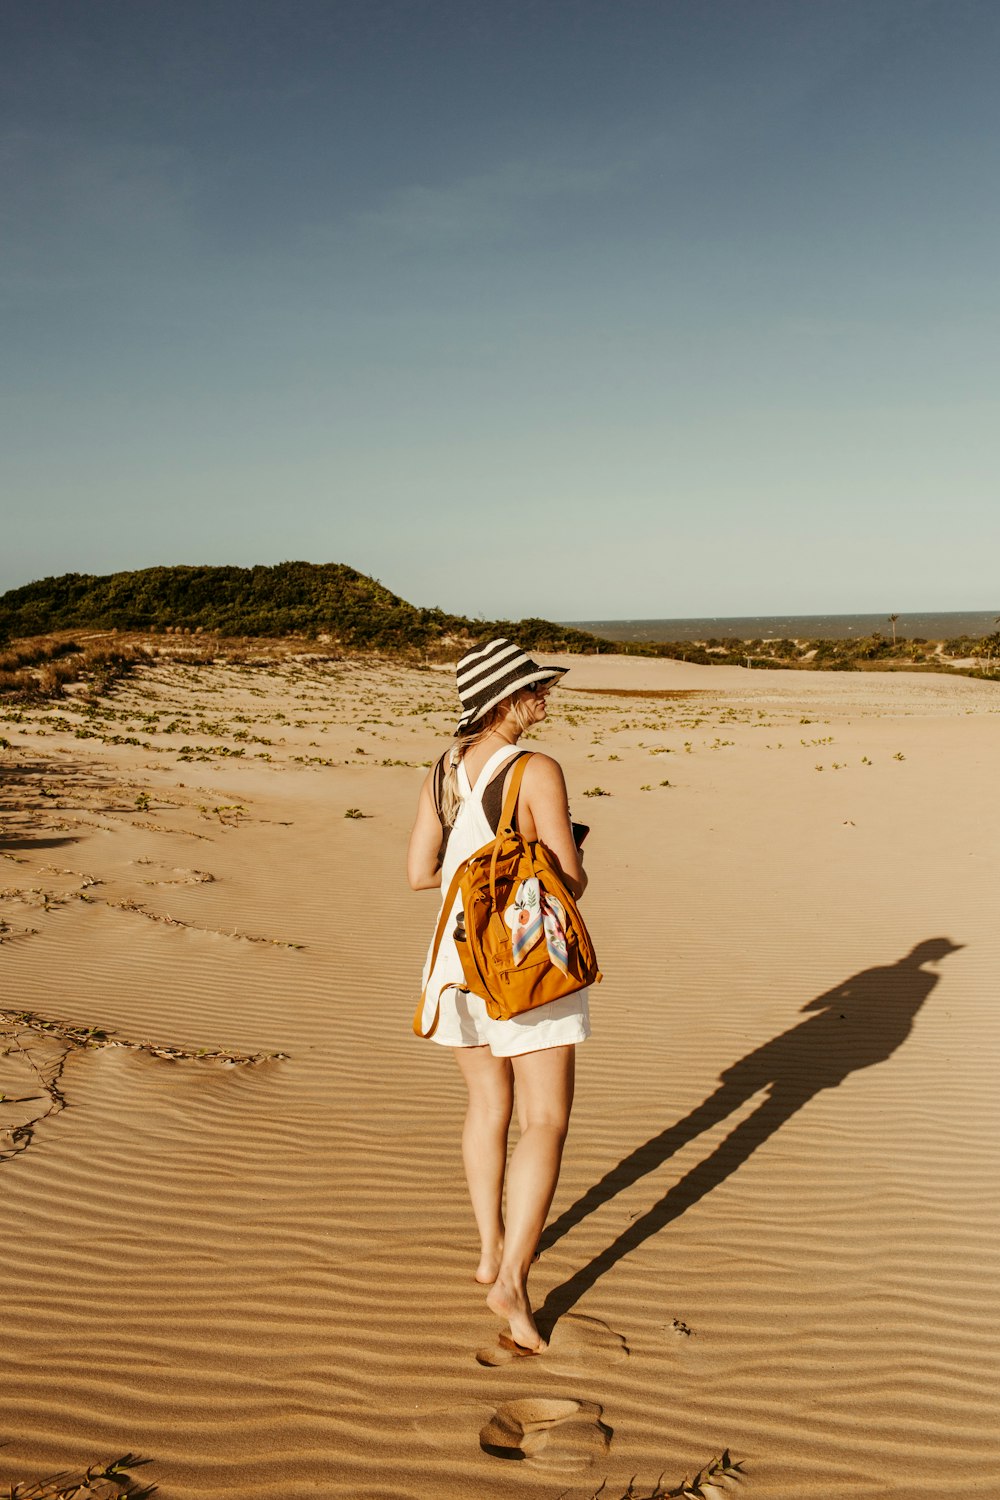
(547, 1433)
(578, 1345)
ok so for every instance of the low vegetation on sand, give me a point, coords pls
(41, 668)
(110, 1481)
(309, 606)
(713, 1481)
(873, 653)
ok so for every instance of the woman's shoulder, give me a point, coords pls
(541, 771)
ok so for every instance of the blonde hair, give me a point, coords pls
(451, 801)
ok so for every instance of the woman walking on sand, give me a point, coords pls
(502, 692)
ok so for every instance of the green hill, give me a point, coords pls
(291, 597)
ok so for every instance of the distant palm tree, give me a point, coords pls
(892, 622)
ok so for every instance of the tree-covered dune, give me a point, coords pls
(314, 598)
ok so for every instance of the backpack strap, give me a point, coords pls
(448, 903)
(507, 818)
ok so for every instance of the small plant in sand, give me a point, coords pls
(100, 1481)
(355, 812)
(706, 1484)
(227, 812)
(865, 761)
(142, 801)
(596, 791)
(899, 755)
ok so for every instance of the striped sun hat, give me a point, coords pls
(491, 673)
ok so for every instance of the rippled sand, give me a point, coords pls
(238, 1242)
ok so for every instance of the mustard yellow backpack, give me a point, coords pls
(490, 881)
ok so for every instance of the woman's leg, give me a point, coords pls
(490, 1082)
(545, 1098)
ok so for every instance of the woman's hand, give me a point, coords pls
(423, 866)
(543, 813)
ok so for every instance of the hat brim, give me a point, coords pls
(541, 674)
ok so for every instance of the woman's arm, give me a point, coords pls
(543, 813)
(423, 867)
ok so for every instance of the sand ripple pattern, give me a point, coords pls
(777, 1224)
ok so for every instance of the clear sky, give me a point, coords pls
(579, 308)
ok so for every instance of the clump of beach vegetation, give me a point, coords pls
(713, 1480)
(110, 1481)
(35, 670)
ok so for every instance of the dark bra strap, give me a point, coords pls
(493, 795)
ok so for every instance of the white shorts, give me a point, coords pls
(464, 1022)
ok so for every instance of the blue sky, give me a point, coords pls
(587, 310)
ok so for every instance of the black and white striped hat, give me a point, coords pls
(491, 673)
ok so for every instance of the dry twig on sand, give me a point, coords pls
(18, 1027)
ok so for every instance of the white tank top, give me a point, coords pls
(471, 829)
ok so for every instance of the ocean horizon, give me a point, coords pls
(928, 625)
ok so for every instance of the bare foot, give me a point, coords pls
(511, 1302)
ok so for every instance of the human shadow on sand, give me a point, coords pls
(856, 1025)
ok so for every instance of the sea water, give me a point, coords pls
(930, 627)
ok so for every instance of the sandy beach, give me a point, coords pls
(238, 1242)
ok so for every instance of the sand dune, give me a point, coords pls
(238, 1239)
